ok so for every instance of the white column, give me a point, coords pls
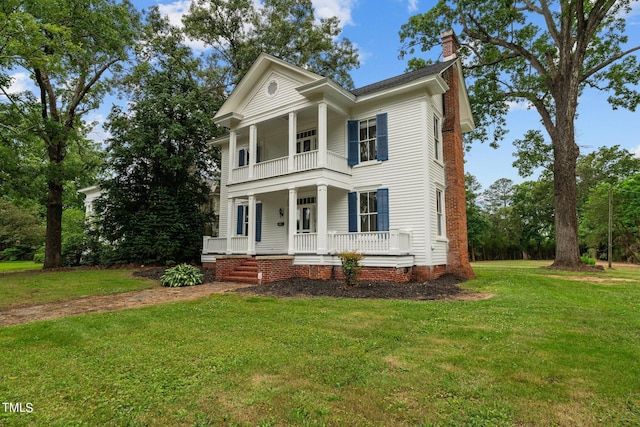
(322, 134)
(251, 235)
(253, 148)
(230, 206)
(322, 219)
(232, 153)
(293, 216)
(293, 131)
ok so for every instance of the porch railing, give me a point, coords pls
(306, 243)
(393, 242)
(271, 168)
(280, 166)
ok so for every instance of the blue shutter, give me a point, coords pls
(353, 212)
(382, 138)
(240, 220)
(353, 128)
(383, 209)
(258, 222)
(241, 158)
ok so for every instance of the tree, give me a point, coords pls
(545, 53)
(67, 47)
(238, 31)
(478, 225)
(21, 231)
(151, 209)
(532, 204)
(498, 196)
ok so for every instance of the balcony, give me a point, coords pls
(300, 162)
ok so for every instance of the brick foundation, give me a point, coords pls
(274, 269)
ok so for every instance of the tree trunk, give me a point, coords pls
(53, 244)
(53, 238)
(565, 153)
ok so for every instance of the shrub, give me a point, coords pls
(587, 260)
(181, 275)
(351, 266)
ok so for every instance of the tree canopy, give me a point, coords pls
(544, 53)
(238, 31)
(66, 47)
(159, 158)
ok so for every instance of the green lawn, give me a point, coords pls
(547, 349)
(39, 286)
(9, 266)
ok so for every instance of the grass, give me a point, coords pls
(547, 349)
(39, 287)
(9, 266)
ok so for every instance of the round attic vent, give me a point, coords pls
(272, 88)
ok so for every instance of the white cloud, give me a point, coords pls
(412, 6)
(175, 11)
(98, 132)
(519, 106)
(636, 151)
(21, 82)
(339, 8)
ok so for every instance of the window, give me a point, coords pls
(305, 215)
(439, 213)
(368, 211)
(367, 140)
(306, 141)
(437, 138)
(243, 221)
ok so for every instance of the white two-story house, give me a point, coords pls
(310, 169)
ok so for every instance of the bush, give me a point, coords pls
(587, 260)
(181, 275)
(351, 266)
(38, 255)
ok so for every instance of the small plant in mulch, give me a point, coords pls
(181, 275)
(351, 266)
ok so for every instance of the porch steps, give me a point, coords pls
(247, 272)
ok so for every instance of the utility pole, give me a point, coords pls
(610, 249)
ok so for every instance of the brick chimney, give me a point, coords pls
(450, 45)
(453, 156)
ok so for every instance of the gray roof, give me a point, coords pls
(429, 70)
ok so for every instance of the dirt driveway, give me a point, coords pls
(94, 304)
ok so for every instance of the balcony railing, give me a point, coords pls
(280, 166)
(393, 242)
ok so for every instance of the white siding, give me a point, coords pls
(338, 210)
(274, 237)
(403, 174)
(261, 102)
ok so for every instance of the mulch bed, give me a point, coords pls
(445, 287)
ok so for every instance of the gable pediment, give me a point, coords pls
(268, 85)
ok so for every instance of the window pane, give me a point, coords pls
(364, 151)
(306, 218)
(307, 145)
(372, 150)
(364, 203)
(373, 202)
(373, 222)
(363, 131)
(364, 223)
(372, 128)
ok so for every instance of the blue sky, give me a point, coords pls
(373, 25)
